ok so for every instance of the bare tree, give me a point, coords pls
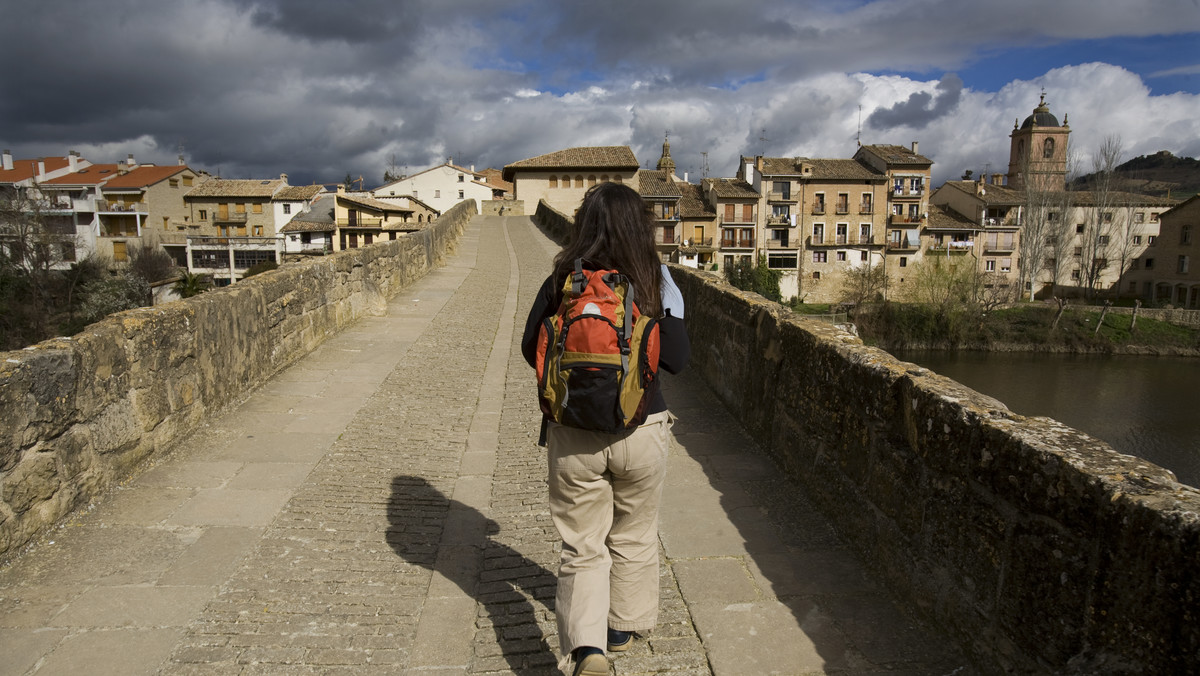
(1099, 223)
(1039, 209)
(1123, 248)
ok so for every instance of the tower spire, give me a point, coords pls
(665, 163)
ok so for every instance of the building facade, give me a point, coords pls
(440, 187)
(561, 178)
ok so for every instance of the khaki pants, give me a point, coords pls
(604, 495)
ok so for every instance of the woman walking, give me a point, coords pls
(605, 488)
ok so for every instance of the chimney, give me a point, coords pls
(685, 177)
(8, 160)
(130, 162)
(41, 169)
(73, 161)
(997, 179)
(182, 162)
(283, 177)
(915, 148)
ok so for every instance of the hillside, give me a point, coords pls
(1161, 174)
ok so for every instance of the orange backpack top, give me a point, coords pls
(598, 355)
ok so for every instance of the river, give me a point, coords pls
(1143, 406)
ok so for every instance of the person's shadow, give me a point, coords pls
(429, 529)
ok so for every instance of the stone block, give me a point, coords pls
(35, 478)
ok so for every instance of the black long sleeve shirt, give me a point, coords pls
(674, 347)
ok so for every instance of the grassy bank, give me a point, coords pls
(1028, 327)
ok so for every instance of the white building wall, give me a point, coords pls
(438, 187)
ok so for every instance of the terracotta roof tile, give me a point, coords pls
(654, 183)
(595, 157)
(731, 188)
(692, 204)
(91, 175)
(942, 218)
(228, 187)
(143, 176)
(297, 193)
(27, 169)
(319, 218)
(897, 154)
(372, 203)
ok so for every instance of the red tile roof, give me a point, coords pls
(26, 169)
(93, 175)
(143, 177)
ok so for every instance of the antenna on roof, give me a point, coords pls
(763, 140)
(704, 154)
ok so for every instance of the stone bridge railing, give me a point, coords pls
(78, 413)
(1042, 549)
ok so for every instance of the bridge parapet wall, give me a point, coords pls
(1040, 548)
(78, 413)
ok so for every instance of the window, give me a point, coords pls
(841, 233)
(461, 194)
(819, 203)
(782, 261)
(460, 178)
(1139, 217)
(204, 214)
(1185, 234)
(747, 212)
(245, 259)
(864, 233)
(1048, 148)
(1154, 218)
(1149, 264)
(862, 256)
(67, 251)
(437, 194)
(258, 231)
(781, 210)
(1005, 265)
(1052, 216)
(120, 253)
(817, 275)
(174, 183)
(239, 208)
(257, 208)
(782, 189)
(864, 206)
(1075, 274)
(166, 223)
(1150, 239)
(818, 233)
(1079, 228)
(841, 256)
(1078, 251)
(729, 209)
(579, 180)
(287, 208)
(819, 256)
(843, 203)
(904, 261)
(591, 179)
(1107, 216)
(187, 181)
(989, 265)
(1104, 239)
(914, 185)
(1183, 265)
(553, 181)
(1137, 239)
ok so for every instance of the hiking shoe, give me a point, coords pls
(619, 641)
(590, 662)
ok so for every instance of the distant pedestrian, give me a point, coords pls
(605, 488)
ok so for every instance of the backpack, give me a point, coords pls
(597, 357)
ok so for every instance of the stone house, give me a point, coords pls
(143, 205)
(362, 220)
(561, 177)
(1165, 272)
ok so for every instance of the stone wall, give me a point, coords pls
(502, 208)
(78, 413)
(1041, 549)
(557, 225)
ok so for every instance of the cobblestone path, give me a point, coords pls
(380, 508)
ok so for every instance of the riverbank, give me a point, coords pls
(1024, 328)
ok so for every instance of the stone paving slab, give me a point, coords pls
(380, 508)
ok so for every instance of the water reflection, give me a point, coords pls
(1142, 406)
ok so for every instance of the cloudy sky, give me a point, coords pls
(318, 89)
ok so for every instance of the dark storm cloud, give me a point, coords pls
(921, 108)
(355, 21)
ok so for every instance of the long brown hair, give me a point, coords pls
(614, 229)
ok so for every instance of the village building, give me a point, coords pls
(441, 187)
(561, 178)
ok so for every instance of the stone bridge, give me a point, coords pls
(378, 505)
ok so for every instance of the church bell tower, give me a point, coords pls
(1037, 156)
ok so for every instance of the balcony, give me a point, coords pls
(842, 209)
(818, 210)
(225, 243)
(780, 197)
(896, 219)
(908, 194)
(230, 218)
(775, 244)
(360, 222)
(699, 243)
(780, 220)
(667, 240)
(737, 242)
(105, 206)
(999, 247)
(844, 240)
(739, 220)
(951, 248)
(902, 245)
(865, 209)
